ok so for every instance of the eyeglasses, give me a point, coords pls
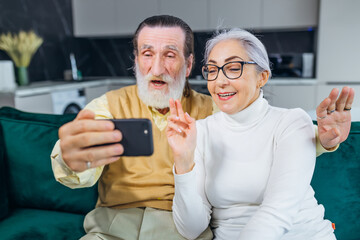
(231, 70)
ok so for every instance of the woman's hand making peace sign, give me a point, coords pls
(181, 134)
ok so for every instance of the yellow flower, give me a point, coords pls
(20, 47)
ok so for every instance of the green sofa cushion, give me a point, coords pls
(29, 139)
(4, 202)
(33, 224)
(336, 183)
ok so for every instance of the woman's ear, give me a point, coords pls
(263, 78)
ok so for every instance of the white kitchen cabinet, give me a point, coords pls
(121, 17)
(131, 13)
(338, 42)
(94, 17)
(193, 12)
(291, 96)
(264, 14)
(290, 13)
(235, 13)
(110, 17)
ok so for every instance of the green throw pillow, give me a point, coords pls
(28, 140)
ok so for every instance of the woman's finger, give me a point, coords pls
(333, 96)
(189, 119)
(172, 106)
(321, 110)
(341, 101)
(175, 127)
(180, 111)
(350, 99)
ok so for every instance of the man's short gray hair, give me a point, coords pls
(252, 45)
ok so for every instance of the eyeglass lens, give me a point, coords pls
(231, 70)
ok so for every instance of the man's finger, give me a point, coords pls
(88, 139)
(93, 154)
(80, 166)
(85, 114)
(103, 162)
(85, 125)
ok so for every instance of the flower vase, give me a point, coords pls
(23, 76)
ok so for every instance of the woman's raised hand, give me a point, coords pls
(181, 135)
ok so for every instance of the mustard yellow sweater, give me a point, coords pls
(144, 181)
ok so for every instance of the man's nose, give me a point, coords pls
(157, 67)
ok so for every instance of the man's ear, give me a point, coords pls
(263, 78)
(189, 64)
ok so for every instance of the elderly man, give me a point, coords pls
(135, 194)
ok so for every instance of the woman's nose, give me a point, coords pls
(221, 78)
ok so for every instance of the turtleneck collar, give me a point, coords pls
(250, 115)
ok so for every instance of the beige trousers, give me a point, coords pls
(133, 223)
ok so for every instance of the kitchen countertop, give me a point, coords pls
(51, 86)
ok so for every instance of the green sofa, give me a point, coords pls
(34, 206)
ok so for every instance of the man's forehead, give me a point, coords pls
(163, 37)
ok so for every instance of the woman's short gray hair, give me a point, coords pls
(253, 47)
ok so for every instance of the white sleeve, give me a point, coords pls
(191, 209)
(289, 180)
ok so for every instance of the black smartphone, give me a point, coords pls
(137, 137)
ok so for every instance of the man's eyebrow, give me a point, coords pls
(172, 47)
(146, 46)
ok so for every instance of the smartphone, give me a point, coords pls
(137, 137)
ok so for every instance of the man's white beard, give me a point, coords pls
(159, 98)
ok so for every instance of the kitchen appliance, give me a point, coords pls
(68, 101)
(7, 76)
(292, 65)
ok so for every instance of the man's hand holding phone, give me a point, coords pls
(79, 137)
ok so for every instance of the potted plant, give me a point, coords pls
(20, 48)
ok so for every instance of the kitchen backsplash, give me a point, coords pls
(110, 56)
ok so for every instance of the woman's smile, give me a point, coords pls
(224, 96)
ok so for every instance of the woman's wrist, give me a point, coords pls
(183, 169)
(184, 164)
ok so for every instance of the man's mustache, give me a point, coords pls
(164, 77)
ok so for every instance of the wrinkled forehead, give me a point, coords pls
(159, 38)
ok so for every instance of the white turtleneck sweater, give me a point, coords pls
(251, 179)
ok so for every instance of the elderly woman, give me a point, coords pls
(246, 170)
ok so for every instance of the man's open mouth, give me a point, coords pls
(158, 82)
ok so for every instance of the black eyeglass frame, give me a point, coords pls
(222, 69)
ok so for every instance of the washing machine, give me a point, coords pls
(68, 101)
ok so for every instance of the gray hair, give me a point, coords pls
(253, 47)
